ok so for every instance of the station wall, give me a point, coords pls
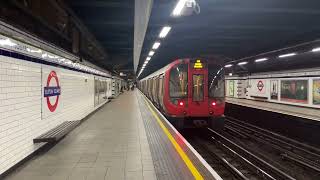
(24, 109)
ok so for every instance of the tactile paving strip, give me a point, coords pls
(167, 162)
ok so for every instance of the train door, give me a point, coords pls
(198, 93)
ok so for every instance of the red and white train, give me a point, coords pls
(190, 92)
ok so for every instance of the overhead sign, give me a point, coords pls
(198, 64)
(52, 91)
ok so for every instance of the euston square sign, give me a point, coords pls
(52, 91)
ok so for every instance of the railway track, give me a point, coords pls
(232, 161)
(244, 151)
(298, 159)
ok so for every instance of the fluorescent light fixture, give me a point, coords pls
(316, 49)
(165, 30)
(242, 63)
(34, 51)
(52, 57)
(287, 55)
(70, 62)
(7, 42)
(148, 59)
(62, 60)
(228, 65)
(261, 59)
(151, 53)
(178, 9)
(156, 45)
(44, 55)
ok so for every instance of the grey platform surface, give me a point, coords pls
(111, 144)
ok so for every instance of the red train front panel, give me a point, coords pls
(188, 92)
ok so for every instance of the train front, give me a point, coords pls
(196, 91)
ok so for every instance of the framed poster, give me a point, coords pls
(274, 89)
(316, 91)
(231, 88)
(295, 91)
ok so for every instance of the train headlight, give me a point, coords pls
(181, 103)
(213, 103)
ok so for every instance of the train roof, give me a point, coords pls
(157, 73)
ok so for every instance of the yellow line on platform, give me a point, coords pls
(196, 174)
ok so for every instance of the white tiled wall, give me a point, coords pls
(21, 105)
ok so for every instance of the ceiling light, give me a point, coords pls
(156, 45)
(7, 42)
(287, 55)
(261, 59)
(44, 55)
(230, 74)
(316, 49)
(228, 65)
(178, 9)
(165, 30)
(148, 59)
(151, 53)
(242, 63)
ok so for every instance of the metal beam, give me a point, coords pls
(141, 19)
(104, 4)
(83, 29)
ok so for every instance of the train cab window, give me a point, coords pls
(178, 85)
(216, 81)
(197, 87)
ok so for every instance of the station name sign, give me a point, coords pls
(52, 91)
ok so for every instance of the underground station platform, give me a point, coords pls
(125, 139)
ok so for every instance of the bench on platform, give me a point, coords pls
(57, 133)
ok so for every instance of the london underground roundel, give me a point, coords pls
(260, 85)
(52, 91)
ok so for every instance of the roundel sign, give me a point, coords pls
(52, 91)
(260, 85)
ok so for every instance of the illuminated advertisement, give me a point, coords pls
(231, 88)
(274, 89)
(316, 91)
(295, 91)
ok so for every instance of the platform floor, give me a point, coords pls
(125, 139)
(111, 144)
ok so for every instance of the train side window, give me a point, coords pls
(178, 86)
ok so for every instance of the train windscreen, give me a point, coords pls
(216, 81)
(179, 81)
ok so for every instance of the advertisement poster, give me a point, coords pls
(316, 91)
(259, 88)
(231, 88)
(295, 91)
(274, 89)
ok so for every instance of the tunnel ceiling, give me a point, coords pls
(111, 22)
(230, 28)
